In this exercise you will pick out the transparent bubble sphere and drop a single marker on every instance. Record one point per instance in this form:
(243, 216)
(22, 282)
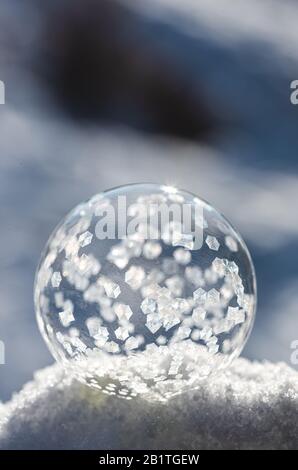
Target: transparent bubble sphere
(145, 289)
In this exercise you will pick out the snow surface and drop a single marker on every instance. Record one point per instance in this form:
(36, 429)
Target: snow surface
(249, 406)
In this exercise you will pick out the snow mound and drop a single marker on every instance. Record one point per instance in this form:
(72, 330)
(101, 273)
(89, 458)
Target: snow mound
(250, 405)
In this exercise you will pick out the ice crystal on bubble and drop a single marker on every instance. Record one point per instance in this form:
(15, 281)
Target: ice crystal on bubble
(235, 315)
(85, 238)
(152, 310)
(148, 306)
(200, 296)
(198, 315)
(66, 317)
(212, 348)
(93, 324)
(134, 277)
(152, 250)
(118, 256)
(182, 256)
(231, 243)
(111, 288)
(213, 297)
(212, 243)
(122, 333)
(183, 239)
(112, 347)
(102, 332)
(59, 299)
(131, 343)
(175, 285)
(194, 275)
(153, 323)
(122, 311)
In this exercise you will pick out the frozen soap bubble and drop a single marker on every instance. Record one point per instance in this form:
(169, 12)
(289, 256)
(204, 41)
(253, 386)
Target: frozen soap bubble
(145, 289)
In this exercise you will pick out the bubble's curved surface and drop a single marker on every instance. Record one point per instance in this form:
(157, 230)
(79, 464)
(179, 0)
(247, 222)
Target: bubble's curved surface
(145, 289)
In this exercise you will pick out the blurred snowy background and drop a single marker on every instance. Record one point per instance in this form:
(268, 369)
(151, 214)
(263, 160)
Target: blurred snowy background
(194, 94)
